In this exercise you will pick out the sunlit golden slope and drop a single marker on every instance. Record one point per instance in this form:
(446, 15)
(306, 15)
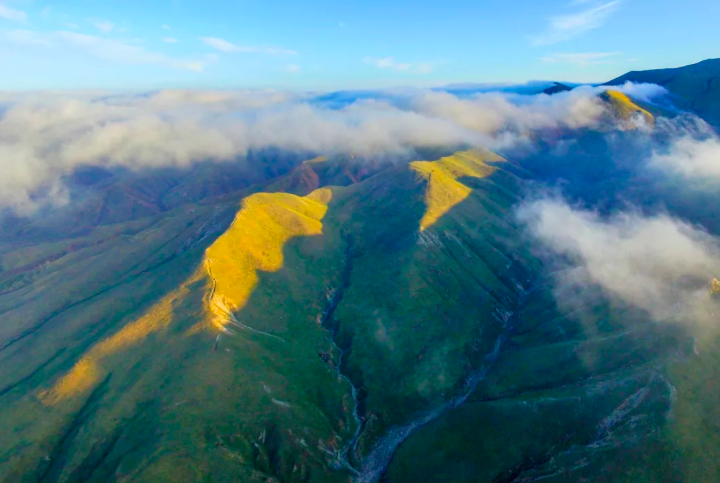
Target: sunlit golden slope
(255, 242)
(444, 190)
(626, 109)
(89, 370)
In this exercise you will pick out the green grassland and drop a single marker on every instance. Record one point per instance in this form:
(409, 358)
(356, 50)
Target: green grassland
(395, 325)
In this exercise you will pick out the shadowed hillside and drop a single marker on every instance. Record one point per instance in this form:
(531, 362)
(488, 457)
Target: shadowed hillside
(694, 87)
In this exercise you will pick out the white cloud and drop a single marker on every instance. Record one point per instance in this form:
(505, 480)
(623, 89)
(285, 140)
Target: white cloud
(566, 27)
(101, 48)
(495, 112)
(659, 264)
(170, 40)
(43, 139)
(229, 47)
(44, 136)
(390, 63)
(581, 59)
(292, 69)
(102, 25)
(11, 14)
(642, 92)
(692, 159)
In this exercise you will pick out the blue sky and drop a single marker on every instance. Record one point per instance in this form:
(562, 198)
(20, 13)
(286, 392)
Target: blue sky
(338, 44)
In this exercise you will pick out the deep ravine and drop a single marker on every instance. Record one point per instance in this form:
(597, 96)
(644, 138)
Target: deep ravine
(375, 464)
(372, 467)
(343, 455)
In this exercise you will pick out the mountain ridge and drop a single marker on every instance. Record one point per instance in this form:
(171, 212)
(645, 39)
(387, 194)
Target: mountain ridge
(694, 87)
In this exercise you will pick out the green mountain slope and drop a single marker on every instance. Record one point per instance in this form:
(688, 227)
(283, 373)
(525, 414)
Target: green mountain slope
(245, 322)
(396, 328)
(694, 87)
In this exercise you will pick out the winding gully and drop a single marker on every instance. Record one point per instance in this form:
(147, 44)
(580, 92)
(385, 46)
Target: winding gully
(372, 467)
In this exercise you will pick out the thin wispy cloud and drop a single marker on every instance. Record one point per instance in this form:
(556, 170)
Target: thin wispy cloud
(389, 63)
(231, 48)
(580, 59)
(27, 38)
(101, 48)
(293, 69)
(52, 14)
(565, 27)
(424, 68)
(166, 27)
(11, 14)
(170, 40)
(102, 25)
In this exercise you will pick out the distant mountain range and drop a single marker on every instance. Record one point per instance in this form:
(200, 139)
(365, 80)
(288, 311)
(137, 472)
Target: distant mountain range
(694, 88)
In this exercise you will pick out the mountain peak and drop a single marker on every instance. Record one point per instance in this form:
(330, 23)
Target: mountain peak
(694, 88)
(445, 190)
(626, 109)
(557, 88)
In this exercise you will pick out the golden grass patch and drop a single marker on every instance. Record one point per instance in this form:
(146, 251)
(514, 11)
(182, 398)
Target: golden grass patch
(444, 191)
(255, 241)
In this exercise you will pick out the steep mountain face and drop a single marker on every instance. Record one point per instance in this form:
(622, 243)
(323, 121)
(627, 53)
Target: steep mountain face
(694, 87)
(349, 321)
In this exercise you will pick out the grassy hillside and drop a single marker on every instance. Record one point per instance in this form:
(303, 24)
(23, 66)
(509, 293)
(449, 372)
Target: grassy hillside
(232, 352)
(626, 109)
(396, 328)
(694, 87)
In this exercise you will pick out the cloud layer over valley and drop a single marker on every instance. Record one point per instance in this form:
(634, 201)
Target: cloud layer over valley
(696, 160)
(45, 136)
(658, 263)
